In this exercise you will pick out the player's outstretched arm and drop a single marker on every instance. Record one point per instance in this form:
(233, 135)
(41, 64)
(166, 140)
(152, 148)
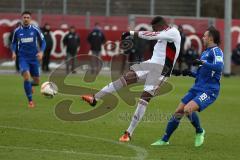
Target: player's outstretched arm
(217, 63)
(218, 66)
(148, 35)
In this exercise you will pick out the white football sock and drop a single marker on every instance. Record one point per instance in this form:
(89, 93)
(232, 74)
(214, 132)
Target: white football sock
(139, 113)
(111, 87)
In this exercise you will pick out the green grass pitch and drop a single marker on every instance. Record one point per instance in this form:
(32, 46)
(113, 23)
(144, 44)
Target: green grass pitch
(37, 134)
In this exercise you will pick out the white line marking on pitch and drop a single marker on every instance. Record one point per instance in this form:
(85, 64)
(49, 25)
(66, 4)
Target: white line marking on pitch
(141, 152)
(65, 151)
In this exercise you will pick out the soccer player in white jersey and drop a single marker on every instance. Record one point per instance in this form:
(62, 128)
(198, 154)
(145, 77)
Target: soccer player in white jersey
(153, 71)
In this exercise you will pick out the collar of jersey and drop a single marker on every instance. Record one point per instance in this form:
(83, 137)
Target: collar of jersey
(210, 47)
(26, 27)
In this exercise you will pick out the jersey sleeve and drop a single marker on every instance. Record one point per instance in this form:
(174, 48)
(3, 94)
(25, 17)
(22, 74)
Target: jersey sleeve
(168, 35)
(217, 63)
(40, 37)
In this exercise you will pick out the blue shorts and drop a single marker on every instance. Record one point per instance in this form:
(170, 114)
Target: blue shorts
(203, 99)
(29, 65)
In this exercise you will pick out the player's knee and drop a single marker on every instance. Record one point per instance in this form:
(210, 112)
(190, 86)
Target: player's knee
(192, 106)
(26, 76)
(179, 110)
(146, 96)
(187, 111)
(130, 77)
(179, 114)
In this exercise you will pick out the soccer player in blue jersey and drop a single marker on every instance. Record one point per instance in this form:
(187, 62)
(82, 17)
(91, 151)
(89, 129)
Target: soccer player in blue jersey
(27, 39)
(204, 91)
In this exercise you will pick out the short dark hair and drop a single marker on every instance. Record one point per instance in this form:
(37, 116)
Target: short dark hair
(26, 12)
(158, 20)
(213, 32)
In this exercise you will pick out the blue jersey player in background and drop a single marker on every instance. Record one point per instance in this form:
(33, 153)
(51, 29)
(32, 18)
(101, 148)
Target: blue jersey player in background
(204, 91)
(27, 38)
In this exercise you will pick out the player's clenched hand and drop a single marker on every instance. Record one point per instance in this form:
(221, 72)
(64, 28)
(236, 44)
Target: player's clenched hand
(14, 56)
(125, 35)
(39, 55)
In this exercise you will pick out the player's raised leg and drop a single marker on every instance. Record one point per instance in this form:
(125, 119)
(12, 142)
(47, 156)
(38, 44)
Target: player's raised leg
(129, 78)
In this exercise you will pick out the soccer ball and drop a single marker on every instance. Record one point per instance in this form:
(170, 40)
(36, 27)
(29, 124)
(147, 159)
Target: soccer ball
(49, 89)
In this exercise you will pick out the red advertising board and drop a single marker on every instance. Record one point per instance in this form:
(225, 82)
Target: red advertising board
(112, 28)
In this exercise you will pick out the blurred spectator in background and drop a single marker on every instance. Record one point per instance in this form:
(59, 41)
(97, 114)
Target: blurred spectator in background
(46, 30)
(135, 51)
(236, 55)
(10, 42)
(181, 53)
(127, 45)
(190, 55)
(96, 39)
(72, 42)
(131, 51)
(140, 46)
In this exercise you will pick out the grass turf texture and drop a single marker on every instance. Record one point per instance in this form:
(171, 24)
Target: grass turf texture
(36, 134)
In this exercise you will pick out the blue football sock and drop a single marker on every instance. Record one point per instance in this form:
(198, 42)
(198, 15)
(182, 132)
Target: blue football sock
(195, 122)
(28, 90)
(171, 126)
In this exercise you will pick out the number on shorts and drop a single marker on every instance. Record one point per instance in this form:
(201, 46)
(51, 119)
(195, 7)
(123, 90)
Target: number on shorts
(203, 97)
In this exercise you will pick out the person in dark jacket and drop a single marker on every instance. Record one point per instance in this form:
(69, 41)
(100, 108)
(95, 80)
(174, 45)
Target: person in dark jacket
(190, 55)
(46, 30)
(140, 45)
(181, 53)
(10, 42)
(72, 42)
(96, 39)
(236, 55)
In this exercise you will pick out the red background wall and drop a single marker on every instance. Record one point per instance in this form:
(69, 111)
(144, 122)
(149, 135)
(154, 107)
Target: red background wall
(120, 24)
